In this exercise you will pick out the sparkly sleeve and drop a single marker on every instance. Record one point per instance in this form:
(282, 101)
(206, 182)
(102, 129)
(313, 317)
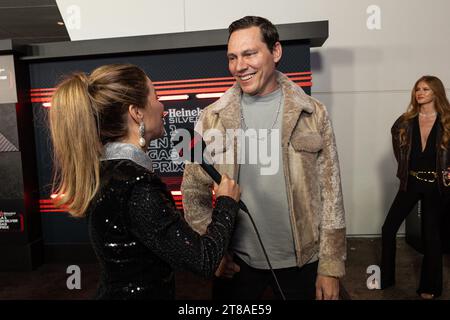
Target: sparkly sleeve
(155, 222)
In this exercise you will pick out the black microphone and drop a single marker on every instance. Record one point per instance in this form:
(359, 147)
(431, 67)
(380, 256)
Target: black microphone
(198, 156)
(216, 176)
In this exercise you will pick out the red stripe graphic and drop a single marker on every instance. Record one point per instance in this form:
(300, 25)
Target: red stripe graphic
(196, 85)
(156, 83)
(42, 89)
(221, 79)
(189, 86)
(159, 88)
(47, 205)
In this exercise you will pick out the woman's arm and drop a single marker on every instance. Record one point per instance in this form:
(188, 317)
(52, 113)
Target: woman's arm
(155, 222)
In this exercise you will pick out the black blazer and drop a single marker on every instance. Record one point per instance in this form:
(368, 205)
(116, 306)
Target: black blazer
(402, 154)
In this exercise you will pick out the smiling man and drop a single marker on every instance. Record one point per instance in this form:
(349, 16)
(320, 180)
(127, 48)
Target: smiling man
(299, 208)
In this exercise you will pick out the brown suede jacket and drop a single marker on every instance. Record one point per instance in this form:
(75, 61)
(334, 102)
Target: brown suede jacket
(311, 168)
(402, 154)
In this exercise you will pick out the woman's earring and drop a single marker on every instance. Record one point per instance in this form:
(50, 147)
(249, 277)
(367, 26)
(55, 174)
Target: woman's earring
(141, 134)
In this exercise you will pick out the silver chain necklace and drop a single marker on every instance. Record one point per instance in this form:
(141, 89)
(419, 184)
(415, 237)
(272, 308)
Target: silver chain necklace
(269, 131)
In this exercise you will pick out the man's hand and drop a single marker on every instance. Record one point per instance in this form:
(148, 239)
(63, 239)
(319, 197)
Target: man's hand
(327, 288)
(227, 267)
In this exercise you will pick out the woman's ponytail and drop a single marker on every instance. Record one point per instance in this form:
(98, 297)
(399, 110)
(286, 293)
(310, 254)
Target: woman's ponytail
(76, 145)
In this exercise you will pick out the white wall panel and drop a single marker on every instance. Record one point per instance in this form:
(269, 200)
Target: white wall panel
(97, 19)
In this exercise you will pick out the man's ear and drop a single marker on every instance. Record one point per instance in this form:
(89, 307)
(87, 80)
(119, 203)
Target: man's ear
(277, 52)
(135, 113)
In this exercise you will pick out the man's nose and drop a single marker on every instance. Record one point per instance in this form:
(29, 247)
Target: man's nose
(241, 65)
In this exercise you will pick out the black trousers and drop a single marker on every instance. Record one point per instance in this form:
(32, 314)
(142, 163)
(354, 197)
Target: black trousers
(250, 283)
(433, 210)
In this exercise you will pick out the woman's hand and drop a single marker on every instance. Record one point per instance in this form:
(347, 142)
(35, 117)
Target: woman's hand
(227, 267)
(227, 187)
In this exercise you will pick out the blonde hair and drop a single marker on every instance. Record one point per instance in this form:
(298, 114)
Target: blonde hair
(87, 112)
(441, 105)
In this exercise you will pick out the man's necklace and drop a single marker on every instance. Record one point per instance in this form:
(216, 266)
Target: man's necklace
(269, 131)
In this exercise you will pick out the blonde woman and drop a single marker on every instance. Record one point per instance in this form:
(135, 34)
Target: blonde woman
(101, 124)
(421, 139)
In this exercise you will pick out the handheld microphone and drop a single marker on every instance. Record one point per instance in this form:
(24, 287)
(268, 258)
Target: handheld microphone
(216, 176)
(195, 153)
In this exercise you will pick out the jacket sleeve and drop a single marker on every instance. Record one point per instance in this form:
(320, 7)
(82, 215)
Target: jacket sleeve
(160, 227)
(333, 249)
(197, 197)
(196, 189)
(396, 140)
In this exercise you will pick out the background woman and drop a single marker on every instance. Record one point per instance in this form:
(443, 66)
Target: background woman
(421, 141)
(101, 124)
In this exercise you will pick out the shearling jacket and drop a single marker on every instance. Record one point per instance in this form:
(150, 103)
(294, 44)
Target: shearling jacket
(311, 169)
(402, 154)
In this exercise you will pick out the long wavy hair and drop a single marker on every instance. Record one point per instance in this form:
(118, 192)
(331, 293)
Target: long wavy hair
(86, 112)
(441, 105)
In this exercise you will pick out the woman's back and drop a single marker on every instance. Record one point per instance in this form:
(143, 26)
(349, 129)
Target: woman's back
(129, 269)
(140, 237)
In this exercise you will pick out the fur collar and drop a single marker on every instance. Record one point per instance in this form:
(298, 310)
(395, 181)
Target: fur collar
(295, 102)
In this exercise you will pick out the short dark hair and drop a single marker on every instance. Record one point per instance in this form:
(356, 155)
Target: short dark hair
(268, 30)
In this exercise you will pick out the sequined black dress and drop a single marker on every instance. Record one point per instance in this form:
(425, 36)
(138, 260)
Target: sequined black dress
(140, 238)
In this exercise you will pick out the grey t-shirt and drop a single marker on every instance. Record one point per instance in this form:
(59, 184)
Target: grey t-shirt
(264, 195)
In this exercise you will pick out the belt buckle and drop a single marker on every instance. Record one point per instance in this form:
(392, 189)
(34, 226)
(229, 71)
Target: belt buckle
(425, 177)
(446, 177)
